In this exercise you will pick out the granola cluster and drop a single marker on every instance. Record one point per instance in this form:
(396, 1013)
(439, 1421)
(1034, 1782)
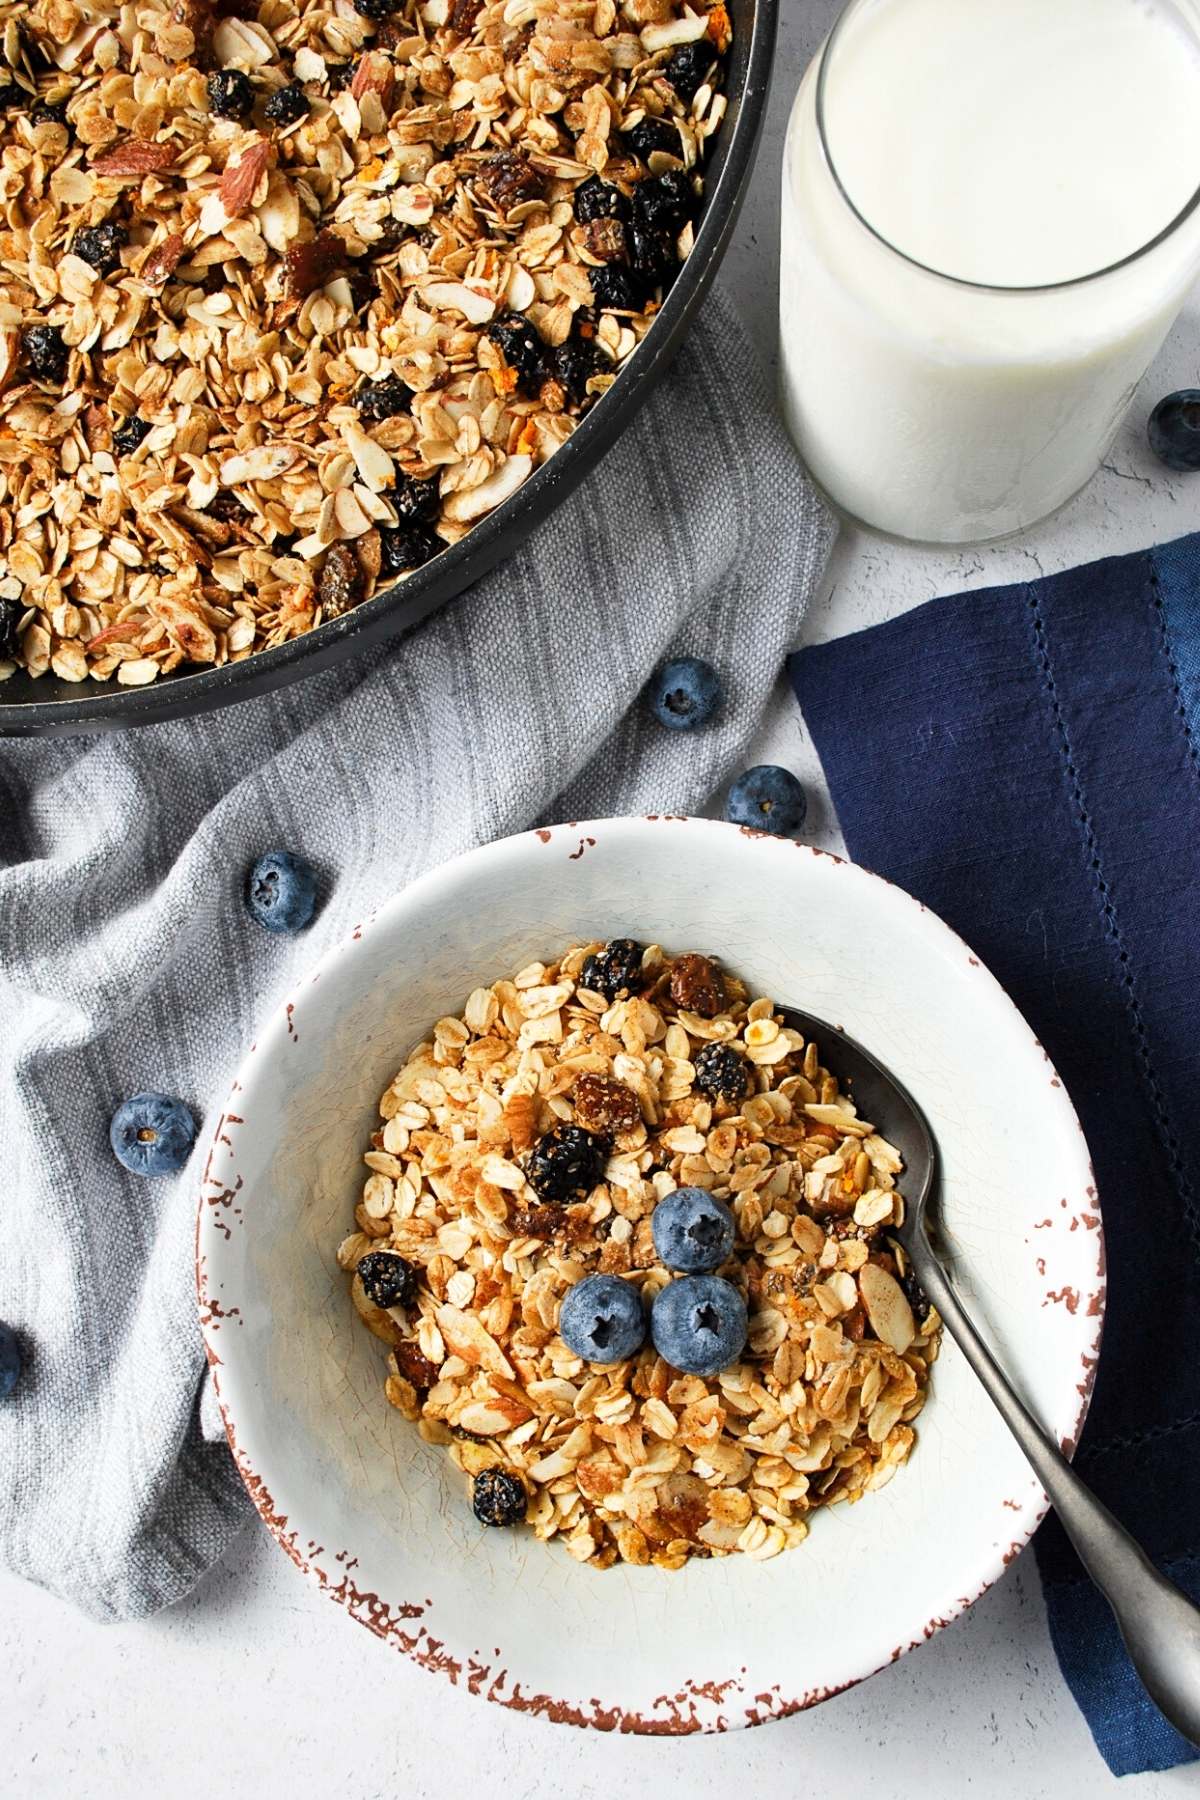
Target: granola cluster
(635, 1460)
(292, 293)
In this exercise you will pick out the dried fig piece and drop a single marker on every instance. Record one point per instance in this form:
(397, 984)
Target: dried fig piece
(605, 1105)
(696, 986)
(341, 584)
(509, 179)
(604, 239)
(414, 1365)
(310, 266)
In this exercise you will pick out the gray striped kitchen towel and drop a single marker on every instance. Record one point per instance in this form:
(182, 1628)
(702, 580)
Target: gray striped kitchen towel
(127, 960)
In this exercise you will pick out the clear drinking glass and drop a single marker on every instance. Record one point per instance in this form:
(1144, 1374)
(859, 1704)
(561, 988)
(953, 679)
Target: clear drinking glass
(945, 409)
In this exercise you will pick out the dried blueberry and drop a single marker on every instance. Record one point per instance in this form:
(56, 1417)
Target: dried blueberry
(651, 255)
(363, 286)
(379, 400)
(596, 199)
(375, 9)
(10, 617)
(615, 288)
(663, 202)
(688, 68)
(617, 969)
(129, 434)
(498, 1498)
(49, 112)
(339, 75)
(391, 235)
(101, 245)
(914, 1293)
(649, 135)
(417, 502)
(566, 1161)
(521, 348)
(388, 1280)
(45, 352)
(230, 95)
(287, 104)
(407, 547)
(720, 1072)
(572, 366)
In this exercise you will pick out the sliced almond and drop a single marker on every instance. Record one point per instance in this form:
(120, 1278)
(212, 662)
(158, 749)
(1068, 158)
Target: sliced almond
(456, 296)
(474, 502)
(492, 1417)
(675, 31)
(465, 1336)
(889, 1312)
(371, 460)
(242, 176)
(266, 463)
(375, 1318)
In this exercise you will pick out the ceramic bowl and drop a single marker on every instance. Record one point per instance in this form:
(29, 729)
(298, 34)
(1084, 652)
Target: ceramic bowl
(382, 1521)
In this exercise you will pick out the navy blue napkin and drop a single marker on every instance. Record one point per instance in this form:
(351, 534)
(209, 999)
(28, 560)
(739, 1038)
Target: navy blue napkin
(1026, 760)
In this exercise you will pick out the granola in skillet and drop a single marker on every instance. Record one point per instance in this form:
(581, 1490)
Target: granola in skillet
(461, 1261)
(292, 293)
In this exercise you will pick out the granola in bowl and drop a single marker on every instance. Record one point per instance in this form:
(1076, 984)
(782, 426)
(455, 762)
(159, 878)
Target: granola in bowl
(291, 295)
(524, 1149)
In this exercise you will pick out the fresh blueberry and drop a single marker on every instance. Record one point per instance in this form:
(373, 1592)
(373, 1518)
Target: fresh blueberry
(685, 692)
(281, 891)
(601, 1319)
(769, 799)
(698, 1324)
(10, 1360)
(1174, 429)
(152, 1134)
(693, 1231)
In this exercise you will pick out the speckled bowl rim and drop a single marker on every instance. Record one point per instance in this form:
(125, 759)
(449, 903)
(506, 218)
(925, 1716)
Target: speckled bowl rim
(699, 1705)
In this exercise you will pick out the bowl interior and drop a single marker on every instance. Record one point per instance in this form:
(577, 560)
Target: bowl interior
(381, 1519)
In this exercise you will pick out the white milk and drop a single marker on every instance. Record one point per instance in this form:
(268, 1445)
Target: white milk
(1002, 144)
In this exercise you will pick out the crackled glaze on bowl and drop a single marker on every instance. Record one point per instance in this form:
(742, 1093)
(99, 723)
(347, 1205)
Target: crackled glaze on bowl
(381, 1521)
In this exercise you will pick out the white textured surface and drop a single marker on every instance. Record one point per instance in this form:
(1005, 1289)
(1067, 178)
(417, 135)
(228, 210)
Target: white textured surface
(258, 1686)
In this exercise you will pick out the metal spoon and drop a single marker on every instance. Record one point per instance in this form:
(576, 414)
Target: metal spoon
(1160, 1625)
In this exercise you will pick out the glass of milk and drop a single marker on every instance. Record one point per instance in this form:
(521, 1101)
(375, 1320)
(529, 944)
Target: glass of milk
(990, 219)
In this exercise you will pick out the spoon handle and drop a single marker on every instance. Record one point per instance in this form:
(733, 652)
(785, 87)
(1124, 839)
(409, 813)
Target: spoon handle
(1160, 1625)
